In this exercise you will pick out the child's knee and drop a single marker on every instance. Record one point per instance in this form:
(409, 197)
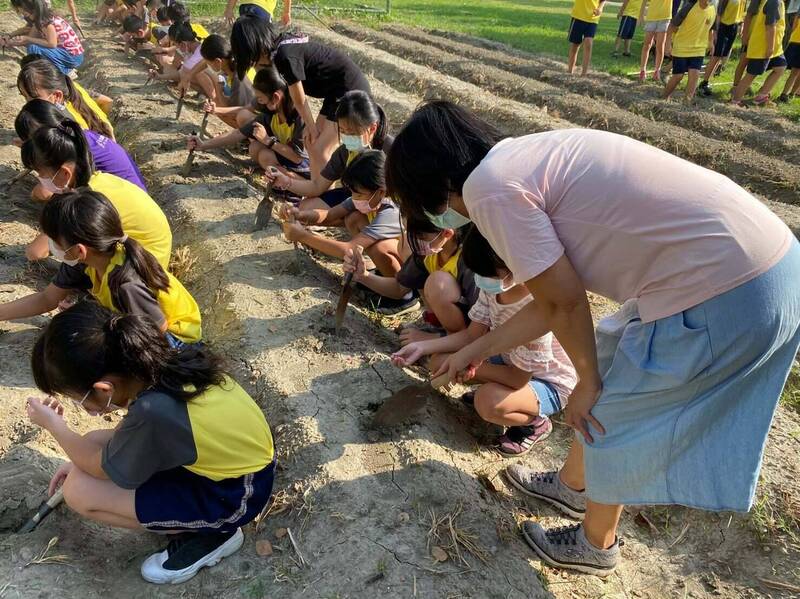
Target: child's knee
(354, 222)
(74, 489)
(487, 401)
(442, 287)
(243, 117)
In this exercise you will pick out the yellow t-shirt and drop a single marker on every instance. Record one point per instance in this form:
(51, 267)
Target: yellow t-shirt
(633, 8)
(795, 38)
(200, 31)
(583, 10)
(268, 5)
(141, 217)
(93, 106)
(658, 10)
(757, 46)
(177, 305)
(734, 12)
(691, 38)
(431, 263)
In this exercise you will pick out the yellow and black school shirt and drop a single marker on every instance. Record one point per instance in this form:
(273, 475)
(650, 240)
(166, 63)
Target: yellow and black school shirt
(220, 434)
(693, 23)
(732, 11)
(795, 38)
(342, 157)
(93, 106)
(267, 5)
(416, 270)
(764, 13)
(289, 133)
(583, 10)
(176, 307)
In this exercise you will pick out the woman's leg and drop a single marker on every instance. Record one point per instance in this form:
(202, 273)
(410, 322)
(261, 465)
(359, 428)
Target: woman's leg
(327, 142)
(600, 523)
(101, 500)
(500, 404)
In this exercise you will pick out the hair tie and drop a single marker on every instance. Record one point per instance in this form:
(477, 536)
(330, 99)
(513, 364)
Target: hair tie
(123, 239)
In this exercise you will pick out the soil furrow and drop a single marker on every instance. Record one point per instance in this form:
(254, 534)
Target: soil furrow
(642, 100)
(771, 177)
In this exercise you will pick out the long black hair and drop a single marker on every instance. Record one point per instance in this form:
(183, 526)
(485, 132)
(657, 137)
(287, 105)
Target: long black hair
(181, 31)
(178, 12)
(41, 14)
(268, 81)
(479, 256)
(252, 38)
(87, 217)
(38, 113)
(87, 342)
(216, 47)
(358, 108)
(366, 171)
(51, 147)
(434, 153)
(39, 74)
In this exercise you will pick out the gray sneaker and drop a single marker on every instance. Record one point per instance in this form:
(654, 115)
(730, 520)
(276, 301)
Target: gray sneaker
(567, 547)
(548, 487)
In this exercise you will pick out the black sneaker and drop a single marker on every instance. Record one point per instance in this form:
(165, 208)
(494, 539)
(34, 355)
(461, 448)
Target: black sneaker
(704, 88)
(388, 306)
(186, 554)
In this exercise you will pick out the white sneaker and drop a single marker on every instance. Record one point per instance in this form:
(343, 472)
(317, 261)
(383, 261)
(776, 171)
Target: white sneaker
(187, 554)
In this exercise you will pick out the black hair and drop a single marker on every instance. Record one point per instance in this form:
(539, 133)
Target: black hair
(87, 342)
(216, 47)
(132, 24)
(268, 81)
(181, 31)
(130, 3)
(153, 3)
(252, 38)
(41, 14)
(434, 153)
(366, 171)
(87, 217)
(416, 227)
(358, 108)
(479, 256)
(178, 12)
(51, 147)
(162, 14)
(38, 113)
(40, 74)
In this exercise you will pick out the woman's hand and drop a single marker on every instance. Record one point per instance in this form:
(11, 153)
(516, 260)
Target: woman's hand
(293, 231)
(228, 16)
(408, 354)
(59, 477)
(462, 365)
(579, 409)
(47, 413)
(310, 134)
(354, 263)
(259, 133)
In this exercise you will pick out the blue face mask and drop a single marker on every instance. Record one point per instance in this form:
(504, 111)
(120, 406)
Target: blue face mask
(491, 286)
(353, 143)
(450, 219)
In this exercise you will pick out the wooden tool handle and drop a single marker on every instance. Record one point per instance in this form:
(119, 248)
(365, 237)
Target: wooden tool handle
(440, 381)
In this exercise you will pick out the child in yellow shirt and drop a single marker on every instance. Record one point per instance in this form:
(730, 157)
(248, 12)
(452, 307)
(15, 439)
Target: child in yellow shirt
(627, 15)
(689, 29)
(764, 26)
(792, 54)
(582, 28)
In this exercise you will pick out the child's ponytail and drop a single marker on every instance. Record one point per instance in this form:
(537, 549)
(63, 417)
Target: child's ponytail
(94, 122)
(35, 114)
(52, 147)
(87, 342)
(87, 217)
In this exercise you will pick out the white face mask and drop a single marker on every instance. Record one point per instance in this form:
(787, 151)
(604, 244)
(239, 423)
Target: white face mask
(59, 254)
(353, 143)
(48, 185)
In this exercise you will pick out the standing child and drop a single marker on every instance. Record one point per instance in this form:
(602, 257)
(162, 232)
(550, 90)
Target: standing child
(689, 29)
(48, 35)
(519, 389)
(583, 25)
(260, 9)
(656, 15)
(627, 15)
(792, 87)
(193, 453)
(97, 256)
(763, 34)
(729, 23)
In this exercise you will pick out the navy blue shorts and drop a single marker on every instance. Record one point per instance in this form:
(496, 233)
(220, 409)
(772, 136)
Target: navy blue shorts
(683, 65)
(759, 66)
(726, 35)
(335, 196)
(303, 168)
(253, 10)
(580, 30)
(627, 27)
(179, 499)
(792, 55)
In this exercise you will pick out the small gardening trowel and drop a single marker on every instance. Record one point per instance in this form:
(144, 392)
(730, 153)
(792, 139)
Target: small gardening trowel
(16, 179)
(344, 298)
(407, 401)
(264, 209)
(187, 166)
(203, 124)
(44, 509)
(180, 105)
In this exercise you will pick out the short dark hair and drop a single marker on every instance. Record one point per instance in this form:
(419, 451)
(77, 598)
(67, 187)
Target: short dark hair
(366, 171)
(479, 256)
(178, 12)
(132, 23)
(214, 47)
(434, 153)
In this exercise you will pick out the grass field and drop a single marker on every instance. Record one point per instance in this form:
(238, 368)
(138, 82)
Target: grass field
(534, 25)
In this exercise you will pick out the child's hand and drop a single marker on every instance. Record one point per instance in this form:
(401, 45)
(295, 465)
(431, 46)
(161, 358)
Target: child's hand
(408, 355)
(293, 231)
(152, 74)
(354, 263)
(578, 413)
(193, 143)
(47, 413)
(460, 366)
(183, 85)
(597, 11)
(228, 16)
(59, 477)
(279, 180)
(210, 107)
(259, 133)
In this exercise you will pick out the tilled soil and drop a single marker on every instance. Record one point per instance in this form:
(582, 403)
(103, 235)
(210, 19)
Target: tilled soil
(359, 501)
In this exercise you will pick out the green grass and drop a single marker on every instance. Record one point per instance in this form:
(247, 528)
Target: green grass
(538, 26)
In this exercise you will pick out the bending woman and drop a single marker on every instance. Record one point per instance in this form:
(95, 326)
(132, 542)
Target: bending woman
(675, 398)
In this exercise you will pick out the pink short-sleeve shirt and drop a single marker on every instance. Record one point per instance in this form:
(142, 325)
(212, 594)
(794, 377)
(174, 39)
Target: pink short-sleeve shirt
(634, 221)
